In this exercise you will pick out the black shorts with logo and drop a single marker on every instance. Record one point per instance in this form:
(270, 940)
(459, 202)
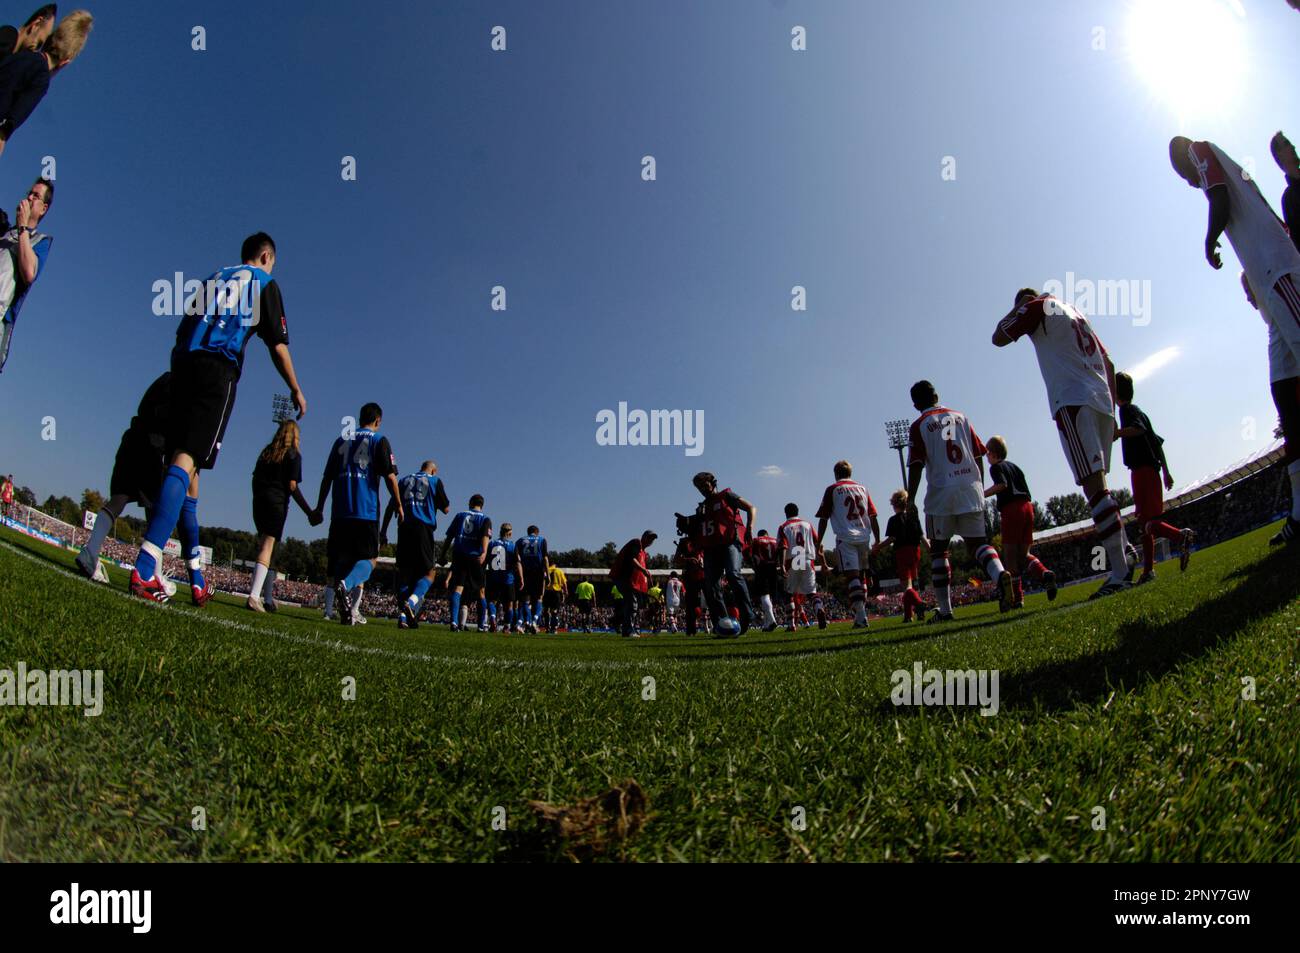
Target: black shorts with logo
(467, 572)
(350, 541)
(137, 470)
(417, 551)
(765, 580)
(534, 582)
(202, 398)
(501, 588)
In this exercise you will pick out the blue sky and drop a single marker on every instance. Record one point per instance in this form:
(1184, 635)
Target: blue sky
(775, 168)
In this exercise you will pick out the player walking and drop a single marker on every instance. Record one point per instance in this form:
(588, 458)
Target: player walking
(503, 575)
(1266, 252)
(423, 497)
(355, 467)
(800, 551)
(469, 535)
(946, 450)
(1080, 381)
(234, 304)
(724, 533)
(536, 560)
(848, 506)
(674, 592)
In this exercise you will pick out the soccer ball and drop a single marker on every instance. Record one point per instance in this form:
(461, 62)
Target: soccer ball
(727, 626)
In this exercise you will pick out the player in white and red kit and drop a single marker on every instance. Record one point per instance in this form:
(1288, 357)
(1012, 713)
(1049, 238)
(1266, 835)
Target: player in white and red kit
(800, 551)
(674, 591)
(1080, 380)
(943, 446)
(1271, 261)
(848, 506)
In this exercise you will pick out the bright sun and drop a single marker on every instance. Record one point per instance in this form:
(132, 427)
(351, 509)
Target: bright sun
(1190, 53)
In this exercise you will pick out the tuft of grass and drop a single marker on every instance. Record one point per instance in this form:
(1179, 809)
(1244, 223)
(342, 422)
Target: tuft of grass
(1132, 705)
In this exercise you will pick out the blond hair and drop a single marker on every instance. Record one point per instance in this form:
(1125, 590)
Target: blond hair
(996, 445)
(65, 43)
(899, 499)
(285, 440)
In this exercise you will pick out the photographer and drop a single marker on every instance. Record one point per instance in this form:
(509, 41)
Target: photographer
(689, 560)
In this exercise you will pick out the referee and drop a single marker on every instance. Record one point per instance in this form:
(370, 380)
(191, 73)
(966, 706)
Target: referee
(276, 478)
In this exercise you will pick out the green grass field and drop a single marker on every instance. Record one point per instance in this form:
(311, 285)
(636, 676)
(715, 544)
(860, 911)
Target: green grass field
(1132, 704)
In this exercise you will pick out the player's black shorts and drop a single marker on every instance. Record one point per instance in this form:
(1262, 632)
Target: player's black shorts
(584, 606)
(137, 470)
(551, 599)
(534, 583)
(765, 580)
(202, 397)
(467, 572)
(269, 514)
(350, 541)
(417, 552)
(500, 588)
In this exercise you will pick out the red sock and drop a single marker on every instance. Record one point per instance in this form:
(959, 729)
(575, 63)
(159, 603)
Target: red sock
(1035, 568)
(1020, 592)
(1148, 550)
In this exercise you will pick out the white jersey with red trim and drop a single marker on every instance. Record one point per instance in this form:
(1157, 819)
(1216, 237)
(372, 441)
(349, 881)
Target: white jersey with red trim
(848, 505)
(1258, 236)
(1071, 357)
(944, 441)
(673, 593)
(798, 538)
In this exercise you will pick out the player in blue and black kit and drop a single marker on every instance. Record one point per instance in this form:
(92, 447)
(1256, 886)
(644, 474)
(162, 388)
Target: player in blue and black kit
(536, 561)
(233, 305)
(423, 497)
(468, 536)
(353, 471)
(503, 575)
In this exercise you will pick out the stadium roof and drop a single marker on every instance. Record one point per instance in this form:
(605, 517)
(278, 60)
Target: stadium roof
(1248, 466)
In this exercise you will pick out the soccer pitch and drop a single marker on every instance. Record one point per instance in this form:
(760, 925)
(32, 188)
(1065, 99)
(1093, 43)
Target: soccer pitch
(1126, 731)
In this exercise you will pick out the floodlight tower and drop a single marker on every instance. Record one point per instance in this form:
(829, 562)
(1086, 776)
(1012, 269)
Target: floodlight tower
(898, 433)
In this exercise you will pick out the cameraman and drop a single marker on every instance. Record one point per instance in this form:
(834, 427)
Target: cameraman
(724, 538)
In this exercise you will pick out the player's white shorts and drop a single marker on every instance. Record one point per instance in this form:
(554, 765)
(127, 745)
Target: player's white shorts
(801, 582)
(853, 557)
(1282, 304)
(1087, 436)
(965, 525)
(671, 600)
(1282, 361)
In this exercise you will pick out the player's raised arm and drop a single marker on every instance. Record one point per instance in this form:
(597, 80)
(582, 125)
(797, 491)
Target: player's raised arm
(1000, 336)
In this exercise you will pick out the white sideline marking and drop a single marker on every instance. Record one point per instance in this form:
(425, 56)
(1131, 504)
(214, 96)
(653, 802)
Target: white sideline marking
(338, 645)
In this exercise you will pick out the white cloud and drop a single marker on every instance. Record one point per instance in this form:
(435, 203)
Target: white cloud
(771, 470)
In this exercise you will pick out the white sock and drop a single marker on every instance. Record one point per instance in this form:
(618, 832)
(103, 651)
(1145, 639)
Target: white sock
(357, 592)
(1293, 471)
(768, 614)
(259, 579)
(943, 596)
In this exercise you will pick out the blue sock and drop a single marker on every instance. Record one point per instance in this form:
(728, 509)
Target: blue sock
(421, 587)
(171, 497)
(455, 608)
(482, 612)
(359, 574)
(510, 616)
(190, 540)
(492, 611)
